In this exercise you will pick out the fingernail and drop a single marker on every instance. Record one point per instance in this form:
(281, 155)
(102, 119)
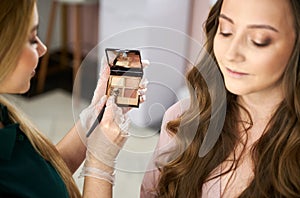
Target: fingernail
(142, 91)
(144, 82)
(143, 97)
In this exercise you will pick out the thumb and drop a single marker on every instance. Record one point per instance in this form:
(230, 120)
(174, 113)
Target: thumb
(100, 104)
(101, 84)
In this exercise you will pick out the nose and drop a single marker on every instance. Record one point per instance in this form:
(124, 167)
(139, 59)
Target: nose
(235, 51)
(42, 49)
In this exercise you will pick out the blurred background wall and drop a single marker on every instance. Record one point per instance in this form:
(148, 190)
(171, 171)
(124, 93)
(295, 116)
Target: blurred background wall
(169, 34)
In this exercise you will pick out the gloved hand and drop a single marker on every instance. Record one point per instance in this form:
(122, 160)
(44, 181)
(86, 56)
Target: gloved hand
(105, 142)
(89, 114)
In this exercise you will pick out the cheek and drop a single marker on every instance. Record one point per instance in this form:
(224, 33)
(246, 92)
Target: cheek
(28, 59)
(218, 50)
(216, 47)
(219, 47)
(273, 63)
(26, 65)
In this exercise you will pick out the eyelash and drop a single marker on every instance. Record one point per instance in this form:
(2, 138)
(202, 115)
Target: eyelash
(225, 34)
(261, 45)
(33, 40)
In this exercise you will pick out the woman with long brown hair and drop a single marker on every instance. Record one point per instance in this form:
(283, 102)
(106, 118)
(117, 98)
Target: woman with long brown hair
(256, 47)
(30, 165)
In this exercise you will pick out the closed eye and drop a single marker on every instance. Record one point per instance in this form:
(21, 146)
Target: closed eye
(225, 34)
(262, 44)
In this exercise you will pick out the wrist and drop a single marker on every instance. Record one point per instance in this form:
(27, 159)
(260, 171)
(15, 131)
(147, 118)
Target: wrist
(91, 161)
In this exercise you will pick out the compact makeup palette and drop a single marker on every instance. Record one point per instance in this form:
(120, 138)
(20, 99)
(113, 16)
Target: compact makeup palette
(126, 72)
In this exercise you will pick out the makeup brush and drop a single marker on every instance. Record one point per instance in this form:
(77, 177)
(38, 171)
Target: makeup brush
(115, 93)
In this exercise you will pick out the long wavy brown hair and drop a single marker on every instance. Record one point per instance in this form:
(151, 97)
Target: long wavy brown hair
(15, 22)
(276, 155)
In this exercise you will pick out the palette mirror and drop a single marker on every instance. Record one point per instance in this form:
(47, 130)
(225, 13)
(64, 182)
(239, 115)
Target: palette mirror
(126, 72)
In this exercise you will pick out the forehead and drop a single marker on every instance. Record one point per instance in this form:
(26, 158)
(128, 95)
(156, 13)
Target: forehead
(35, 16)
(272, 12)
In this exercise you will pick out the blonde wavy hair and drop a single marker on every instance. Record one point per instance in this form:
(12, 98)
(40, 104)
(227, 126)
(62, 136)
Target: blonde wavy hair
(15, 20)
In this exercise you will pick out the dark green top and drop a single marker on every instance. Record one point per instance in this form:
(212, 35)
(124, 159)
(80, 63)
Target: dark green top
(23, 172)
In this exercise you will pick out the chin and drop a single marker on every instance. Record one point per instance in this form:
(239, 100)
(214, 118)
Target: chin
(236, 90)
(24, 90)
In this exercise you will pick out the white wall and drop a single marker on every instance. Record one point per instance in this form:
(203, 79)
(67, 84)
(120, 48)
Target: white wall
(44, 7)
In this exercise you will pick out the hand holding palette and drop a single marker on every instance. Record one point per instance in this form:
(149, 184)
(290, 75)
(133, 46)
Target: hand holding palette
(126, 72)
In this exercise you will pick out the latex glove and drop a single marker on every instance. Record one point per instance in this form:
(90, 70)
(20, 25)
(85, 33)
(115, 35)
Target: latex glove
(144, 83)
(89, 114)
(104, 144)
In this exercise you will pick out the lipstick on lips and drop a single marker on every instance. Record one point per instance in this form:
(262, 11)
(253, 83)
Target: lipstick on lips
(235, 74)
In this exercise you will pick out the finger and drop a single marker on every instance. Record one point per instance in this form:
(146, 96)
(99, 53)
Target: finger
(117, 112)
(119, 117)
(114, 123)
(101, 104)
(142, 91)
(111, 101)
(144, 83)
(101, 84)
(145, 63)
(104, 66)
(126, 109)
(110, 110)
(142, 98)
(124, 127)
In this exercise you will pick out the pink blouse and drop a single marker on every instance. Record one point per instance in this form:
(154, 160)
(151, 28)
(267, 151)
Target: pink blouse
(211, 189)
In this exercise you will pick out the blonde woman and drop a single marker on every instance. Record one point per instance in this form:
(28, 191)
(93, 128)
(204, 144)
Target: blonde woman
(255, 45)
(30, 165)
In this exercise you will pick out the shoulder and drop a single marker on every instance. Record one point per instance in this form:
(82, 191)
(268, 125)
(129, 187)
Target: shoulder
(165, 143)
(172, 113)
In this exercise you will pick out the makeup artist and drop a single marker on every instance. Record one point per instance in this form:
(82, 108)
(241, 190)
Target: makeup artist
(30, 165)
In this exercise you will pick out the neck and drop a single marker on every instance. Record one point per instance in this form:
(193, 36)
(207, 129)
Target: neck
(261, 110)
(261, 107)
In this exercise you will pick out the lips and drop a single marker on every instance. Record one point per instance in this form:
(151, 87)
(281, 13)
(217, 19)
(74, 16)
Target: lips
(33, 73)
(235, 74)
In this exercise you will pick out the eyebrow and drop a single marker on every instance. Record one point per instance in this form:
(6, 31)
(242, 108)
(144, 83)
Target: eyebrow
(226, 18)
(258, 26)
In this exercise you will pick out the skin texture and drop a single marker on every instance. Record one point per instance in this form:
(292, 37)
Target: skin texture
(253, 44)
(256, 46)
(254, 40)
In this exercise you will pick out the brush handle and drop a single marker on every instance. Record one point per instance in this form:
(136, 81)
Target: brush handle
(96, 122)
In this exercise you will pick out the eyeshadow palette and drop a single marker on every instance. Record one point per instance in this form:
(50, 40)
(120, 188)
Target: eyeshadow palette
(126, 73)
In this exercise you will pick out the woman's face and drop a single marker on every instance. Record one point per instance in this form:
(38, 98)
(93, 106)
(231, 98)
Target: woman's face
(19, 80)
(253, 44)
